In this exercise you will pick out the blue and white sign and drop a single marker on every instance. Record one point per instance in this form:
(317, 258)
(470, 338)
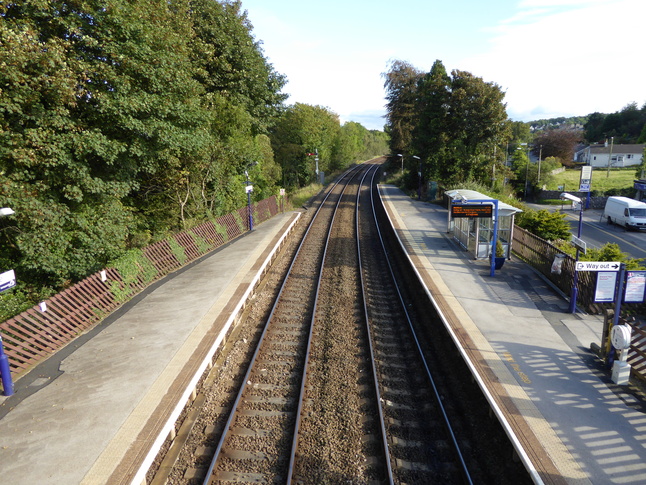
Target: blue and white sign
(597, 266)
(635, 286)
(605, 289)
(7, 280)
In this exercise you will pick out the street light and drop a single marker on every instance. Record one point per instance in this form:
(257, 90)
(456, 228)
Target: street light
(575, 280)
(5, 370)
(419, 176)
(612, 141)
(526, 171)
(540, 155)
(400, 155)
(249, 189)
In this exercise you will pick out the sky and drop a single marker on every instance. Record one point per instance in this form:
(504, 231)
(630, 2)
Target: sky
(551, 57)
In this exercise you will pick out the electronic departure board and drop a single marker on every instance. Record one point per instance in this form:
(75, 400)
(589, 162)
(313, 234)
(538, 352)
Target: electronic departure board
(472, 210)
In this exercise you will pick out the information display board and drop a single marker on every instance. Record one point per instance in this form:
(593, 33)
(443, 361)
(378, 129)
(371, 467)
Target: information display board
(472, 210)
(605, 289)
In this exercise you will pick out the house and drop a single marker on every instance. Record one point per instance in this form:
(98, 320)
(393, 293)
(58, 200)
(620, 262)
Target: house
(622, 155)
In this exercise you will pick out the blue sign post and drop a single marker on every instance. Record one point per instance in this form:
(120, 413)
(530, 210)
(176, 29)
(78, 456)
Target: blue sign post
(5, 371)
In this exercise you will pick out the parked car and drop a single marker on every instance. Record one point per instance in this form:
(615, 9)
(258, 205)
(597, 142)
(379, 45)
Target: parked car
(626, 212)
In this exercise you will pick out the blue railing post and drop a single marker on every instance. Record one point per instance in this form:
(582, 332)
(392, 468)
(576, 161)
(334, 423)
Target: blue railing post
(5, 371)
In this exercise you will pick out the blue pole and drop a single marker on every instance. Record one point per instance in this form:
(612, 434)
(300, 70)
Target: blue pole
(5, 371)
(494, 240)
(620, 294)
(249, 202)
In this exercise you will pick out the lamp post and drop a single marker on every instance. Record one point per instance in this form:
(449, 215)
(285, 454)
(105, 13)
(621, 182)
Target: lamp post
(402, 158)
(419, 176)
(612, 140)
(5, 370)
(540, 155)
(249, 189)
(575, 280)
(526, 171)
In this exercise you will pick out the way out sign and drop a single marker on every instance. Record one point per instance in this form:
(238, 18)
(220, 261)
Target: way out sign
(597, 266)
(606, 278)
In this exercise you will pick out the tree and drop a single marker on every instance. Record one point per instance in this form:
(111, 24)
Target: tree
(401, 87)
(559, 143)
(477, 122)
(231, 63)
(302, 129)
(626, 125)
(430, 136)
(349, 144)
(461, 122)
(593, 129)
(550, 226)
(123, 120)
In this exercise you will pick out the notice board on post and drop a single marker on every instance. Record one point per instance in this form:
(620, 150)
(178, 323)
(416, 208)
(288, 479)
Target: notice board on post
(472, 210)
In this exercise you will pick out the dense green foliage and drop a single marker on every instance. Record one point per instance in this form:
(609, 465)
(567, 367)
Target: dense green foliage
(401, 93)
(547, 225)
(456, 124)
(607, 252)
(626, 126)
(304, 133)
(122, 121)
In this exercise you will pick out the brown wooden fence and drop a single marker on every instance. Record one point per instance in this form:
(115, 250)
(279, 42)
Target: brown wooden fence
(40, 331)
(540, 254)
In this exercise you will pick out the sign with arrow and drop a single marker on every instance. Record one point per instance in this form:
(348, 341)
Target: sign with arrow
(597, 266)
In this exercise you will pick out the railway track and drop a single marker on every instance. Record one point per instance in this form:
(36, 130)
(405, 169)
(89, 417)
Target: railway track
(258, 442)
(337, 386)
(420, 439)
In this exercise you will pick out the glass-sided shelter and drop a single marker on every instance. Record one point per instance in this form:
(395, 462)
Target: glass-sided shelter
(475, 234)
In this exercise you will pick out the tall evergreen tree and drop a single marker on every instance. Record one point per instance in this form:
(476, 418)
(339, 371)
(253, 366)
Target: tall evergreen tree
(430, 136)
(401, 91)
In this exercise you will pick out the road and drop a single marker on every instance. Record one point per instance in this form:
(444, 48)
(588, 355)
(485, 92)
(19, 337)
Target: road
(596, 232)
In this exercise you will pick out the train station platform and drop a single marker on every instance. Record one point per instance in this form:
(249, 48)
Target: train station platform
(98, 410)
(575, 424)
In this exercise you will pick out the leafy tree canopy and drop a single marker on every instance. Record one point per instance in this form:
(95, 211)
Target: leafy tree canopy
(626, 125)
(550, 226)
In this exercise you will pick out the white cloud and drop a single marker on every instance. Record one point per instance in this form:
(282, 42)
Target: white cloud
(570, 61)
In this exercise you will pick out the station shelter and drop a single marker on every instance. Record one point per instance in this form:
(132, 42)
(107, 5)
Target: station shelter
(475, 234)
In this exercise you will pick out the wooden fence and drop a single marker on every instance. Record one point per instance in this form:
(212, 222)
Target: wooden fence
(541, 254)
(40, 331)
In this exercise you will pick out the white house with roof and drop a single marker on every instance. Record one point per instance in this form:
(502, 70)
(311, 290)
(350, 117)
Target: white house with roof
(622, 155)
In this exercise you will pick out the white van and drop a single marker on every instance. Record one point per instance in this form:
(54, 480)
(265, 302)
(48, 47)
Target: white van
(626, 212)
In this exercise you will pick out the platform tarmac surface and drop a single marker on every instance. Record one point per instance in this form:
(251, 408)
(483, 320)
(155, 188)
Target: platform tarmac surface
(89, 413)
(592, 430)
(82, 417)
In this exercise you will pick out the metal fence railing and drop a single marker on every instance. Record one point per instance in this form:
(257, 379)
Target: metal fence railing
(36, 333)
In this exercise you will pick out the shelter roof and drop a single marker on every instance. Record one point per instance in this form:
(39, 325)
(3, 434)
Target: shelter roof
(465, 196)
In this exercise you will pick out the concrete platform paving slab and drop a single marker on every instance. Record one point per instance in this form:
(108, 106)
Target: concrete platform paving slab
(592, 430)
(98, 406)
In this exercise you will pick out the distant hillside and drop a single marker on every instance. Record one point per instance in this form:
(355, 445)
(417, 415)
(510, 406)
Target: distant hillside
(572, 121)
